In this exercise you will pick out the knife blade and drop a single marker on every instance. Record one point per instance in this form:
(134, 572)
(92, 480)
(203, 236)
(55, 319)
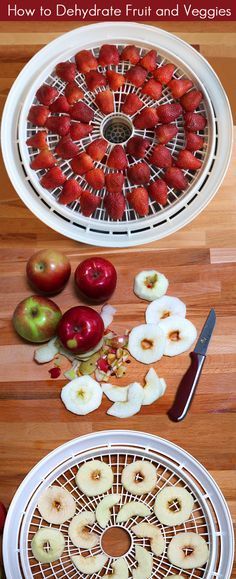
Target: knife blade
(188, 384)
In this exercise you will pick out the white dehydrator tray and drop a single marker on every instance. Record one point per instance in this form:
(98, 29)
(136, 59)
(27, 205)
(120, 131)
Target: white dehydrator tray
(210, 516)
(182, 207)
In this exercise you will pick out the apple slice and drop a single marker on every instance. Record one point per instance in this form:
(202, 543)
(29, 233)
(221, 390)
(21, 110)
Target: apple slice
(82, 395)
(115, 393)
(150, 284)
(46, 353)
(131, 406)
(154, 387)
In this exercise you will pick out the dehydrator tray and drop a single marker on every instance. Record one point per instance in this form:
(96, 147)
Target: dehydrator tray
(210, 516)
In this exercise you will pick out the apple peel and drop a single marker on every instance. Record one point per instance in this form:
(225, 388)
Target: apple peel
(107, 314)
(47, 352)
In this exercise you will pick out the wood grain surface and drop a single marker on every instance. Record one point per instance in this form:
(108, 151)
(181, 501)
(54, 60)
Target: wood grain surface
(200, 262)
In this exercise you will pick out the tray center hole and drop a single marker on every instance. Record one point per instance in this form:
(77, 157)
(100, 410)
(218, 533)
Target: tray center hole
(116, 541)
(117, 128)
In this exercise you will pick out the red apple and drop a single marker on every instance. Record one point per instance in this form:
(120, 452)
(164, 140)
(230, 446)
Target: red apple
(36, 319)
(3, 514)
(80, 330)
(48, 271)
(96, 279)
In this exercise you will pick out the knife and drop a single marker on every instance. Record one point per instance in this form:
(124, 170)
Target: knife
(188, 384)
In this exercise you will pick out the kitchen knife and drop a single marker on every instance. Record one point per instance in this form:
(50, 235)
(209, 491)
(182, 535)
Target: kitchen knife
(188, 384)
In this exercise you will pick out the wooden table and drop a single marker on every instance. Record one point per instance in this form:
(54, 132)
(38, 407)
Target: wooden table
(199, 261)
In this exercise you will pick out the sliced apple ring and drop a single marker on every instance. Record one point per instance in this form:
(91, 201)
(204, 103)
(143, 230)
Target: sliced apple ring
(56, 505)
(82, 395)
(180, 335)
(79, 533)
(150, 284)
(147, 343)
(188, 550)
(47, 545)
(94, 478)
(139, 477)
(173, 505)
(164, 307)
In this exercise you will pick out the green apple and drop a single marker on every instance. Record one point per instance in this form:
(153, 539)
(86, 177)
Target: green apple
(36, 319)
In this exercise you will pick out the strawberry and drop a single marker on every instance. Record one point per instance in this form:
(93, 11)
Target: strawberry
(80, 130)
(58, 125)
(60, 105)
(81, 112)
(164, 73)
(175, 178)
(95, 178)
(147, 119)
(89, 203)
(139, 174)
(115, 79)
(85, 61)
(138, 199)
(194, 122)
(97, 149)
(117, 158)
(137, 147)
(165, 133)
(114, 182)
(44, 160)
(46, 94)
(53, 178)
(161, 157)
(71, 191)
(158, 191)
(73, 93)
(179, 87)
(82, 164)
(114, 203)
(94, 79)
(152, 88)
(38, 141)
(136, 75)
(132, 104)
(108, 54)
(191, 100)
(194, 142)
(66, 71)
(105, 101)
(186, 160)
(66, 148)
(131, 54)
(168, 113)
(149, 61)
(38, 115)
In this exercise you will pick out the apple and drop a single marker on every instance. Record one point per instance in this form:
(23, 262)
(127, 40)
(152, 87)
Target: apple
(3, 514)
(36, 319)
(96, 279)
(48, 271)
(80, 330)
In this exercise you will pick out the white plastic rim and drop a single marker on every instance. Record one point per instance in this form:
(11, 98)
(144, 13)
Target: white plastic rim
(177, 465)
(144, 230)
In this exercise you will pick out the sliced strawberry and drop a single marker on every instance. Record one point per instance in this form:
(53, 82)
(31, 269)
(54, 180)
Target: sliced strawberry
(117, 158)
(80, 130)
(105, 101)
(194, 122)
(191, 100)
(149, 61)
(66, 148)
(38, 115)
(136, 75)
(147, 119)
(165, 133)
(58, 125)
(114, 203)
(186, 160)
(66, 71)
(53, 178)
(38, 141)
(60, 105)
(131, 54)
(137, 147)
(139, 174)
(152, 88)
(97, 149)
(73, 93)
(138, 199)
(71, 191)
(108, 54)
(179, 87)
(46, 94)
(115, 80)
(164, 73)
(89, 203)
(175, 178)
(114, 182)
(169, 112)
(158, 191)
(85, 61)
(82, 164)
(95, 178)
(81, 112)
(44, 160)
(161, 157)
(194, 142)
(94, 79)
(132, 104)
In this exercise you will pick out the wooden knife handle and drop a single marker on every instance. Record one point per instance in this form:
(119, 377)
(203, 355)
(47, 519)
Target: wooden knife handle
(187, 388)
